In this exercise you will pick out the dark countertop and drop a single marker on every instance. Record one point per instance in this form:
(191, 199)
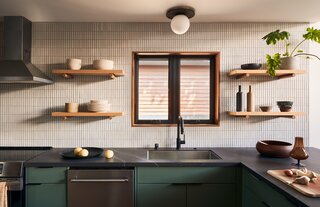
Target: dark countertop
(247, 157)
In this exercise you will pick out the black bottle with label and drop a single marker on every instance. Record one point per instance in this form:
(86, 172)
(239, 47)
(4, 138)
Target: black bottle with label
(239, 100)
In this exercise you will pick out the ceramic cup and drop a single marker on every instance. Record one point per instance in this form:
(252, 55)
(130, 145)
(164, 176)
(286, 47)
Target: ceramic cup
(72, 107)
(74, 64)
(103, 64)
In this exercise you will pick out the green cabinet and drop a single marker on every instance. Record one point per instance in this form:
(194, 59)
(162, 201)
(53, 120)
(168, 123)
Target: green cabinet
(46, 187)
(186, 186)
(160, 195)
(49, 195)
(257, 193)
(250, 199)
(210, 195)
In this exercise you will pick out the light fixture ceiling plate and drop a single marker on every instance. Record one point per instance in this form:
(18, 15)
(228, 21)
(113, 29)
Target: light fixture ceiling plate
(178, 10)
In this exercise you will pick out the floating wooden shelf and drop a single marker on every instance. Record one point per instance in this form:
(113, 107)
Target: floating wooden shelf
(269, 114)
(108, 115)
(112, 74)
(279, 73)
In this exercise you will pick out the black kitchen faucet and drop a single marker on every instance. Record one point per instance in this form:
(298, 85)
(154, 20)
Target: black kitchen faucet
(180, 131)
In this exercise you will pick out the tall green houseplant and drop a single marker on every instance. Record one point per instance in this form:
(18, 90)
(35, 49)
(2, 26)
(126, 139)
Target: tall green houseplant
(274, 61)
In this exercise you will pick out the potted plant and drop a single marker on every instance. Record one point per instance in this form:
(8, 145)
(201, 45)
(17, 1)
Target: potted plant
(289, 58)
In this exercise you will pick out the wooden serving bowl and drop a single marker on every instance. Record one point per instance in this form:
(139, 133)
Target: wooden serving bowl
(273, 148)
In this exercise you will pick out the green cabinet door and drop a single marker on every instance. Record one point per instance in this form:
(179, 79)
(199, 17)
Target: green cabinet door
(258, 193)
(161, 195)
(211, 195)
(48, 195)
(250, 199)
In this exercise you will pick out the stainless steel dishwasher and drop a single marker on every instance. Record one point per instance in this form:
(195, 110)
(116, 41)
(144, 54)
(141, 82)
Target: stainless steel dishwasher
(100, 188)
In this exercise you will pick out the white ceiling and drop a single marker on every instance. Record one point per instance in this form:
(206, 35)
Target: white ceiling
(154, 10)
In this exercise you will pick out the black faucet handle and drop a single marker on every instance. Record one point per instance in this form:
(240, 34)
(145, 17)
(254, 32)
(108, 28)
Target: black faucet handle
(183, 141)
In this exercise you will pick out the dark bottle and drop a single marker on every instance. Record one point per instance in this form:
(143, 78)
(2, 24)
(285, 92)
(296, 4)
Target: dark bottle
(239, 100)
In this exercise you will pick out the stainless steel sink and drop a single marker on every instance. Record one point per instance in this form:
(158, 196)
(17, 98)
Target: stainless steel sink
(176, 155)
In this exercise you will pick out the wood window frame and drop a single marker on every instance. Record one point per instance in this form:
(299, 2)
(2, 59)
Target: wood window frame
(214, 90)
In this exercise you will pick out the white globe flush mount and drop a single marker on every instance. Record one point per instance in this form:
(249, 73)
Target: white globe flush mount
(180, 16)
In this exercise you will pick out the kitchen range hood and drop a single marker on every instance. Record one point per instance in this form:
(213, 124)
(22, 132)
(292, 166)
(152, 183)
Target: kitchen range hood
(16, 66)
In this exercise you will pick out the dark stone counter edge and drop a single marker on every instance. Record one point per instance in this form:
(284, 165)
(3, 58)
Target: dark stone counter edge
(133, 164)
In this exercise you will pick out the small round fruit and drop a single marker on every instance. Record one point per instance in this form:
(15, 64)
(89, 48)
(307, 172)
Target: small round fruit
(109, 154)
(77, 150)
(84, 153)
(288, 173)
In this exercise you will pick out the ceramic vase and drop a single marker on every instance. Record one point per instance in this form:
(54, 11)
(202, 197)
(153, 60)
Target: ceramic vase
(299, 152)
(290, 63)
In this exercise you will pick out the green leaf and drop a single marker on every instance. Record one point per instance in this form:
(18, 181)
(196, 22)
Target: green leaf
(273, 64)
(312, 34)
(275, 36)
(300, 51)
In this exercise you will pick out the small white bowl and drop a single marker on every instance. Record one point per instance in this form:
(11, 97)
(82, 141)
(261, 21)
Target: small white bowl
(103, 64)
(74, 64)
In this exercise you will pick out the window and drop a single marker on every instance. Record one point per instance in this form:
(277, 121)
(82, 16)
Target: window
(166, 85)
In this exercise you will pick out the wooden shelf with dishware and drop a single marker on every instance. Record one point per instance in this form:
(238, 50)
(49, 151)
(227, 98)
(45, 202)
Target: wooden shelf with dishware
(66, 115)
(266, 114)
(240, 73)
(67, 73)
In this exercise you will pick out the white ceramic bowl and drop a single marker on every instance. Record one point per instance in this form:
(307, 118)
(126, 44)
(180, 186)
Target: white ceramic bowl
(103, 64)
(74, 64)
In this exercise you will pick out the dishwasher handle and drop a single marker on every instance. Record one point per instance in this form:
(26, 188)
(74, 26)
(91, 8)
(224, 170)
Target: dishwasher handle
(99, 180)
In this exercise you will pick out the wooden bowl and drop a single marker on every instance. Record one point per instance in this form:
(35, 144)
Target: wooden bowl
(265, 108)
(272, 148)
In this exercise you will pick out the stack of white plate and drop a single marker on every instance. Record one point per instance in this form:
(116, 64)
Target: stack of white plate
(99, 106)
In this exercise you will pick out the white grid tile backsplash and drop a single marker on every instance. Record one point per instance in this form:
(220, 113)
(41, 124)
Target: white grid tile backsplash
(25, 108)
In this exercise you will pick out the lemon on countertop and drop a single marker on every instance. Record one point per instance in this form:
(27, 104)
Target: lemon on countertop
(109, 154)
(83, 153)
(77, 150)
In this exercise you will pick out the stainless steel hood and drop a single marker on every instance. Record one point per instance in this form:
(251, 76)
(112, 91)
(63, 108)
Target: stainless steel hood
(16, 66)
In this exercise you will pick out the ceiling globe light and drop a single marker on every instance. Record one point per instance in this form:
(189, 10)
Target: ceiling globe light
(180, 24)
(180, 16)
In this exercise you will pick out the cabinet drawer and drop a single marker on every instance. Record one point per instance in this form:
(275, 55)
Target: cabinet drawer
(266, 193)
(186, 175)
(46, 175)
